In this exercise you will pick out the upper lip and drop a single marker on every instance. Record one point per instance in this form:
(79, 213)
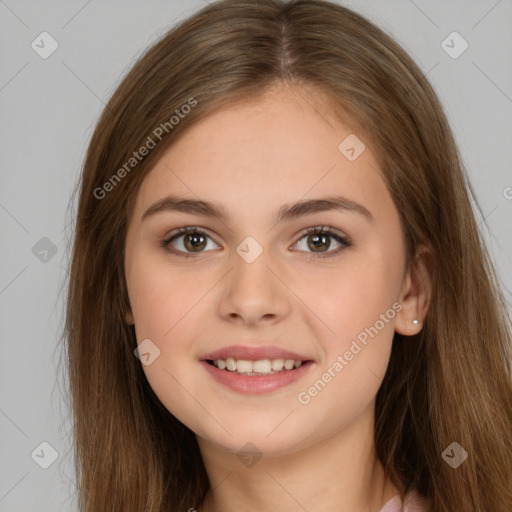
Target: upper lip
(253, 353)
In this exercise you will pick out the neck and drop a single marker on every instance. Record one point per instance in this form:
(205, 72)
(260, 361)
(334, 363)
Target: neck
(340, 473)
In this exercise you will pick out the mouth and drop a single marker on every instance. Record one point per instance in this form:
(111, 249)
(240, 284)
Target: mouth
(256, 368)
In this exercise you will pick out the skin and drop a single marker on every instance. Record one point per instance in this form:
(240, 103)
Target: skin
(253, 158)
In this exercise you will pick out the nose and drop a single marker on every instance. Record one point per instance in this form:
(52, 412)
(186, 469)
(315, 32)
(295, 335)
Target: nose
(254, 292)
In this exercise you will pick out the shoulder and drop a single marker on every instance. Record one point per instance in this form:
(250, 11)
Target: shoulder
(414, 502)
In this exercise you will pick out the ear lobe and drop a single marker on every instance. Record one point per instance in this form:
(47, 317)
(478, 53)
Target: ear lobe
(416, 294)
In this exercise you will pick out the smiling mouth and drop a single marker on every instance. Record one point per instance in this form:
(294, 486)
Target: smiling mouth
(256, 368)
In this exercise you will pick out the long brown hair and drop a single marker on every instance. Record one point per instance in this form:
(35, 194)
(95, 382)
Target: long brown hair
(450, 383)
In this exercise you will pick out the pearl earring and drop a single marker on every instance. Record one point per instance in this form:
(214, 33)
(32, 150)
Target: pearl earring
(415, 322)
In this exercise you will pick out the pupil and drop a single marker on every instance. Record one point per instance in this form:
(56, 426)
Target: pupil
(194, 241)
(318, 241)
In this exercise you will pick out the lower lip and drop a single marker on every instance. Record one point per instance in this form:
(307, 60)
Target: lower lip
(254, 384)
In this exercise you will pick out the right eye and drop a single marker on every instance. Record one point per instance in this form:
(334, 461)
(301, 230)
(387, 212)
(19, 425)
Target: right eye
(186, 241)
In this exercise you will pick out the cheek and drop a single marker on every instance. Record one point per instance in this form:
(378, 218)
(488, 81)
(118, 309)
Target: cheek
(356, 296)
(356, 310)
(167, 312)
(357, 314)
(160, 297)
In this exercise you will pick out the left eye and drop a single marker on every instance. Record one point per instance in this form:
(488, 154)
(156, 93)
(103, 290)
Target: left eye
(319, 238)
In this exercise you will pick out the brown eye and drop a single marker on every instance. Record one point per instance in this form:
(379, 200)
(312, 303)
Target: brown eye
(186, 241)
(194, 242)
(319, 240)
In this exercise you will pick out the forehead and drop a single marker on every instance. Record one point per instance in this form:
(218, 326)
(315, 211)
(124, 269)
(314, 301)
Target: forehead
(280, 147)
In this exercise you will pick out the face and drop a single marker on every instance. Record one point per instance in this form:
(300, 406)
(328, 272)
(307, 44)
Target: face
(315, 287)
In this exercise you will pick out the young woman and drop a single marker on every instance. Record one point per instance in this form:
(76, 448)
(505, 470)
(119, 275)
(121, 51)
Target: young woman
(279, 297)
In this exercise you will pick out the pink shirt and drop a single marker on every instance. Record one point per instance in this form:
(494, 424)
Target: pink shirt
(413, 503)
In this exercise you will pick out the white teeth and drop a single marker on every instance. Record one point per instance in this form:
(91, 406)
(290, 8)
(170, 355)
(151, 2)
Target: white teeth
(243, 366)
(261, 366)
(277, 365)
(288, 364)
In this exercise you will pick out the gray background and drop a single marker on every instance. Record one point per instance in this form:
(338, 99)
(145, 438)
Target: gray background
(49, 108)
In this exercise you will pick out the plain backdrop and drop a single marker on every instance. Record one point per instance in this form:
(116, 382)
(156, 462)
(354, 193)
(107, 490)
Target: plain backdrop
(49, 107)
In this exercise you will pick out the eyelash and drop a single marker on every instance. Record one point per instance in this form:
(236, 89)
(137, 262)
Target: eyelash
(319, 230)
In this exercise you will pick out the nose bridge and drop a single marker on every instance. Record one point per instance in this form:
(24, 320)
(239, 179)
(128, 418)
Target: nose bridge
(251, 262)
(252, 290)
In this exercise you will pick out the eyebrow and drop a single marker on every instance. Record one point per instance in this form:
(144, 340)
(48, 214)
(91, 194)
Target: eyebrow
(285, 213)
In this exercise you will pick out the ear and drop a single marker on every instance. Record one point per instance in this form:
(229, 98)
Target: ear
(415, 294)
